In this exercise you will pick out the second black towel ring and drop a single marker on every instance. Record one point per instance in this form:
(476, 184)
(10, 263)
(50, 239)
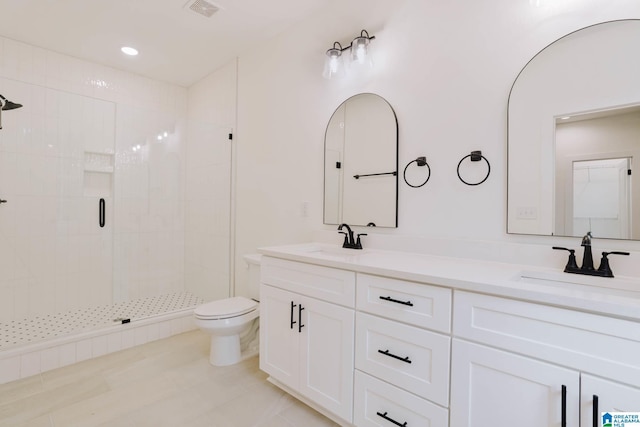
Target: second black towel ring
(420, 161)
(475, 156)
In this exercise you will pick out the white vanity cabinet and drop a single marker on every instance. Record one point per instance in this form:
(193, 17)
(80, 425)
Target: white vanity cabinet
(527, 364)
(350, 336)
(306, 343)
(402, 367)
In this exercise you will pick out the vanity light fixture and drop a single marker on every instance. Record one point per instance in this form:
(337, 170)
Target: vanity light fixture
(360, 54)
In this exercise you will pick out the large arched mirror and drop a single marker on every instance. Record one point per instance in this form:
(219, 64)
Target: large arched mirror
(574, 136)
(361, 163)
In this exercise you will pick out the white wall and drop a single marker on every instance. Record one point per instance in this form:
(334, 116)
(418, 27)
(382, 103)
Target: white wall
(446, 68)
(53, 255)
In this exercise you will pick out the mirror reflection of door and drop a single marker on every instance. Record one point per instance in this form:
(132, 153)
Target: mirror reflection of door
(594, 190)
(602, 197)
(333, 176)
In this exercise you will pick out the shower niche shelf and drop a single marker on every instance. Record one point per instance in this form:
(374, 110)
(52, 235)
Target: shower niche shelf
(98, 174)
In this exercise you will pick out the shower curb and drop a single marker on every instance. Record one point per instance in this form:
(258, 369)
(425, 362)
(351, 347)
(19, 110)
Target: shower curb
(33, 359)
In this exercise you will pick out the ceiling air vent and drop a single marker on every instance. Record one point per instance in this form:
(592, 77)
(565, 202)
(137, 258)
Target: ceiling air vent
(202, 7)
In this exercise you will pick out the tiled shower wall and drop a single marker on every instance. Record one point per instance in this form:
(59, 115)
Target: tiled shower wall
(86, 132)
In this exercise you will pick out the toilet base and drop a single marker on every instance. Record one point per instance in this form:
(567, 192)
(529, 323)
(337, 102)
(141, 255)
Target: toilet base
(224, 350)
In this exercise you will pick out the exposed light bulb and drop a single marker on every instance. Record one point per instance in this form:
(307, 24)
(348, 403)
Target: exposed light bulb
(360, 54)
(127, 50)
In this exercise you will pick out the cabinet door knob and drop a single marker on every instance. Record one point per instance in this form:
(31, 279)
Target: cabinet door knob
(596, 415)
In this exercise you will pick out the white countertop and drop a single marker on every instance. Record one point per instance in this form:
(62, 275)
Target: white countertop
(618, 297)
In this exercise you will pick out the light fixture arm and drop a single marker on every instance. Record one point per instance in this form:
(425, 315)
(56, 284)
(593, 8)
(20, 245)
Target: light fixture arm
(339, 47)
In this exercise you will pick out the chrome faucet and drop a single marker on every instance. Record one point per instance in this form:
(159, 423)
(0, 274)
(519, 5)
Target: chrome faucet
(349, 241)
(587, 260)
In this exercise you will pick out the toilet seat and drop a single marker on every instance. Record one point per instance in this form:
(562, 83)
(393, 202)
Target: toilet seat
(225, 308)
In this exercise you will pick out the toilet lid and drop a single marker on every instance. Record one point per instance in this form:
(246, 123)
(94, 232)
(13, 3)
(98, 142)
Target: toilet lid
(229, 307)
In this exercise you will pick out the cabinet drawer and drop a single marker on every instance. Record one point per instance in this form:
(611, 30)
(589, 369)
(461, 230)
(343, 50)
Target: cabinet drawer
(411, 358)
(328, 284)
(377, 403)
(592, 343)
(409, 302)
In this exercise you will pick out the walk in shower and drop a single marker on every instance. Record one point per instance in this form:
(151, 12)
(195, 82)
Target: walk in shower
(92, 234)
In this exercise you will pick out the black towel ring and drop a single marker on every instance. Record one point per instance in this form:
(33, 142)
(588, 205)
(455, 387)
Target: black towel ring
(420, 161)
(475, 156)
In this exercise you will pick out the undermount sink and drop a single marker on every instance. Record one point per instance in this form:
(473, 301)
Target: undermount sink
(336, 251)
(563, 279)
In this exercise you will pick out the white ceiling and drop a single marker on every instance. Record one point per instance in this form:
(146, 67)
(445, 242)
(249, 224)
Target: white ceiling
(176, 44)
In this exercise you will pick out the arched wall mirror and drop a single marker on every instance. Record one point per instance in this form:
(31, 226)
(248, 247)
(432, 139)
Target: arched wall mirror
(574, 136)
(361, 163)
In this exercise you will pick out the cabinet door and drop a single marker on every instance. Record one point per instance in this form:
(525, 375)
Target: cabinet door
(491, 387)
(279, 336)
(326, 356)
(609, 396)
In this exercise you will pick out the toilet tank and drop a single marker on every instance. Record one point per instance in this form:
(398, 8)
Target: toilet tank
(253, 261)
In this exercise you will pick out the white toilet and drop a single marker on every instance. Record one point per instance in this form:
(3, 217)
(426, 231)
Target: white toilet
(233, 322)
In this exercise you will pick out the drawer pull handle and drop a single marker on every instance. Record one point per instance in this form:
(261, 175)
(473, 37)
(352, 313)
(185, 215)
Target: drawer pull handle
(293, 322)
(596, 415)
(403, 359)
(409, 303)
(404, 424)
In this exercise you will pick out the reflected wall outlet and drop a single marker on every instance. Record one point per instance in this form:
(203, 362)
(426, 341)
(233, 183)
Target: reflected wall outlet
(304, 209)
(527, 212)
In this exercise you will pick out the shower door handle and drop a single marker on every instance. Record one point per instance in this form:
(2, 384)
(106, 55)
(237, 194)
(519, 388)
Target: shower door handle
(101, 212)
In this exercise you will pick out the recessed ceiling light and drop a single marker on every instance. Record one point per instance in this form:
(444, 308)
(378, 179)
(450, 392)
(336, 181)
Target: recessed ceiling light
(129, 50)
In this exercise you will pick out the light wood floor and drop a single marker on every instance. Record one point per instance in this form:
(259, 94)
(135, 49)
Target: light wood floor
(166, 383)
